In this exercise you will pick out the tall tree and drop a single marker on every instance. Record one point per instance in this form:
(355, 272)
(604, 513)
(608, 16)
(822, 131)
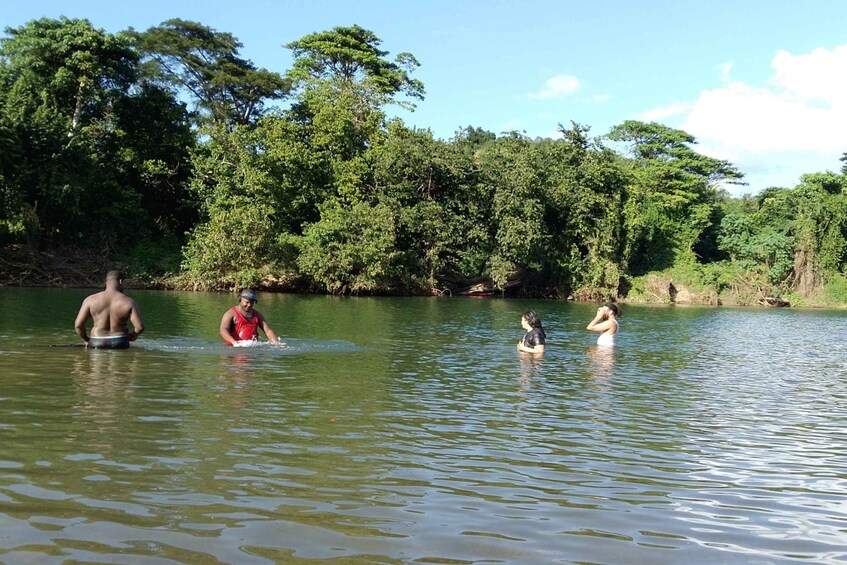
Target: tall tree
(433, 189)
(349, 56)
(584, 214)
(204, 63)
(673, 195)
(62, 79)
(517, 178)
(69, 64)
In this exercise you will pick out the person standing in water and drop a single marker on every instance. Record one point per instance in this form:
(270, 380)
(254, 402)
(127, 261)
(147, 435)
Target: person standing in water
(606, 322)
(242, 322)
(533, 341)
(110, 311)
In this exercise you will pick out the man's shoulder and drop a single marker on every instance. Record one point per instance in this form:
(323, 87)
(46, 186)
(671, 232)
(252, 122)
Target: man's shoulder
(120, 297)
(95, 298)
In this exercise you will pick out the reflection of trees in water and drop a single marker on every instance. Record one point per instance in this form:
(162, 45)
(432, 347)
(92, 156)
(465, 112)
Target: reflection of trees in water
(601, 360)
(104, 381)
(530, 371)
(234, 385)
(530, 365)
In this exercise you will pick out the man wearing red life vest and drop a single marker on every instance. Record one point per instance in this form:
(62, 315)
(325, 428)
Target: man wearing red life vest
(241, 323)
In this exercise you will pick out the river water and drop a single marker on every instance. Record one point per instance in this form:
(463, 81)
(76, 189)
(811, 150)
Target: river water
(409, 430)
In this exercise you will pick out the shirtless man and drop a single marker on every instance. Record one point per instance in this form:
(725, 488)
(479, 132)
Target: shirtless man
(110, 309)
(240, 324)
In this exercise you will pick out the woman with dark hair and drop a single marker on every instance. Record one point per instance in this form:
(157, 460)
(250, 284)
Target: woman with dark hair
(533, 341)
(606, 322)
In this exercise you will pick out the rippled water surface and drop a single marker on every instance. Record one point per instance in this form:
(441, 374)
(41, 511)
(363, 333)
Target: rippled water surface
(395, 430)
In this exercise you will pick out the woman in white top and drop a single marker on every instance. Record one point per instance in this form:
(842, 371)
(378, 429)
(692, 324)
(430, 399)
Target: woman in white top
(606, 322)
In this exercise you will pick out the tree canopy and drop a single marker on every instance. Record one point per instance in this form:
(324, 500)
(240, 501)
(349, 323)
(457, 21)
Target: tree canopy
(351, 55)
(158, 148)
(205, 64)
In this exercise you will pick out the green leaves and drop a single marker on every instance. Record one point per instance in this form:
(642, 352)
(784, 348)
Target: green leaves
(64, 93)
(98, 144)
(674, 195)
(350, 56)
(204, 64)
(351, 249)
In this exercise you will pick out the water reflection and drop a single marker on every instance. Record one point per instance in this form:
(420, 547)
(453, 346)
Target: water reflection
(601, 361)
(398, 431)
(104, 382)
(531, 366)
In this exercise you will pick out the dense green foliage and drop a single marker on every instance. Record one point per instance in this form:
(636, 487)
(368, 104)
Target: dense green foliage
(204, 64)
(95, 155)
(158, 147)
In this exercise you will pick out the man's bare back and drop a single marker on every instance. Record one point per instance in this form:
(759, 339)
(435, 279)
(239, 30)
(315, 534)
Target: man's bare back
(111, 311)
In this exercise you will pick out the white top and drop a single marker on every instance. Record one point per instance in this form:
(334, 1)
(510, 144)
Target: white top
(609, 339)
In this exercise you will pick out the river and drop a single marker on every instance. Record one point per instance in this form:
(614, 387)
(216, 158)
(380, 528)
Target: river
(409, 430)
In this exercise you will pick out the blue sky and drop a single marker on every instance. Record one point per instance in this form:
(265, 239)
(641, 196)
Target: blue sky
(760, 83)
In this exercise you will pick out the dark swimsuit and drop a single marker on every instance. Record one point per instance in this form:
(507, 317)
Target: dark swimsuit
(534, 337)
(109, 342)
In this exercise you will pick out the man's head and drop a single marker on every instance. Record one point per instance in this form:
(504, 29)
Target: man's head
(248, 298)
(113, 279)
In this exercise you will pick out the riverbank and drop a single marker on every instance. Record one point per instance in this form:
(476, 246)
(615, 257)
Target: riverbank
(61, 267)
(72, 267)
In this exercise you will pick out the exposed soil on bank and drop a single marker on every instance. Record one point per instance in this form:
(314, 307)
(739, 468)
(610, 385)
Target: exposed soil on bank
(62, 267)
(72, 267)
(66, 267)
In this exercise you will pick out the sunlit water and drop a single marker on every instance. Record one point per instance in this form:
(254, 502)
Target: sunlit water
(410, 431)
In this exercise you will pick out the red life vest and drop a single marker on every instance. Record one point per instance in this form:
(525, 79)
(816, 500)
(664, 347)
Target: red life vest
(244, 328)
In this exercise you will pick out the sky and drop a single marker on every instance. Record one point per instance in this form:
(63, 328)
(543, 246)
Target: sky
(760, 83)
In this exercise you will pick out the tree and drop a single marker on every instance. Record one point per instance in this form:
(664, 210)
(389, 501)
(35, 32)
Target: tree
(517, 180)
(819, 230)
(474, 136)
(234, 243)
(350, 55)
(69, 64)
(152, 153)
(673, 194)
(755, 246)
(433, 189)
(62, 79)
(584, 215)
(351, 249)
(205, 63)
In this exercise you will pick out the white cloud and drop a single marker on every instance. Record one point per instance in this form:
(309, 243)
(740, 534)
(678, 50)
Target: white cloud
(790, 125)
(815, 76)
(762, 120)
(556, 87)
(601, 98)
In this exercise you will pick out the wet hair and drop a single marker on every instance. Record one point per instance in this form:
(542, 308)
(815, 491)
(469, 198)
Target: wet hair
(114, 275)
(614, 308)
(532, 319)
